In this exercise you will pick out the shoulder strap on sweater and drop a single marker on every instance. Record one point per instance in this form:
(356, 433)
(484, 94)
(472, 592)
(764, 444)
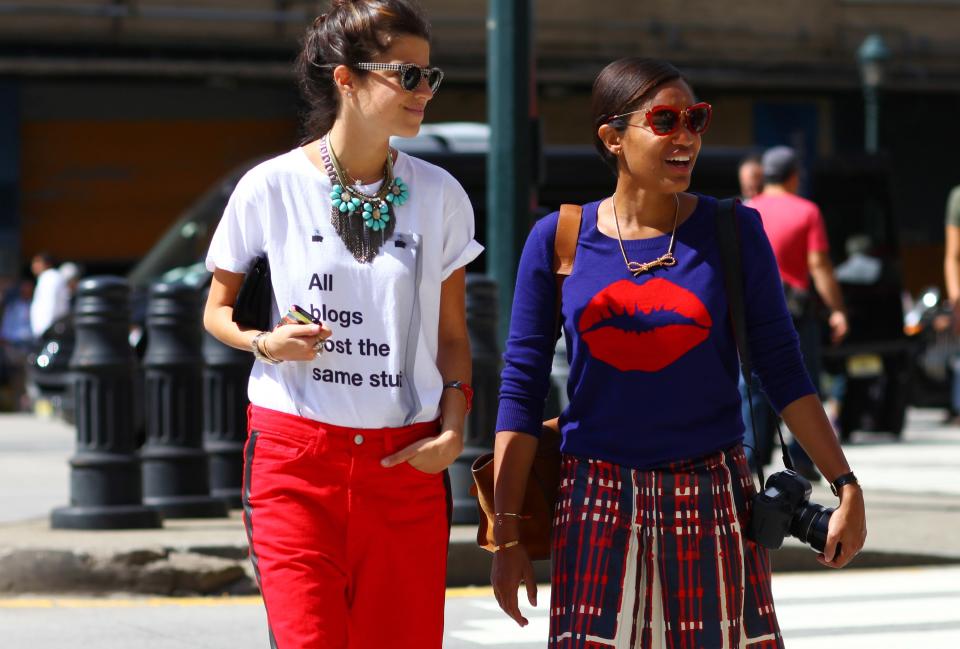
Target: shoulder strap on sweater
(565, 249)
(565, 244)
(728, 235)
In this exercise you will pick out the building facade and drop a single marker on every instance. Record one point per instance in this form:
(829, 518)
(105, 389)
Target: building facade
(115, 114)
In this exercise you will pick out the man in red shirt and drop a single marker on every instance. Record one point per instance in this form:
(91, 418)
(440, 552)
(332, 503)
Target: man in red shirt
(795, 228)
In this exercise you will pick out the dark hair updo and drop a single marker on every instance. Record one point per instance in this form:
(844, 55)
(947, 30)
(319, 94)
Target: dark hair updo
(353, 31)
(620, 88)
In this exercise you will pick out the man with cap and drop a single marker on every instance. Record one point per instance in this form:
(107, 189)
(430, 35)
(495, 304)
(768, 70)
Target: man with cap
(797, 234)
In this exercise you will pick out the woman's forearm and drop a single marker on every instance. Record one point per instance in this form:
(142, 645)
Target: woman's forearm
(453, 348)
(218, 321)
(218, 312)
(809, 424)
(455, 364)
(513, 454)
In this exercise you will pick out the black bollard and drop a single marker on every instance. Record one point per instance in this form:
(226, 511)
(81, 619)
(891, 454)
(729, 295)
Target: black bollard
(225, 375)
(479, 433)
(105, 477)
(175, 472)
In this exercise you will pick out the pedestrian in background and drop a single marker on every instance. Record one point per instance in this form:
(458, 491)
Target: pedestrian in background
(648, 544)
(750, 175)
(16, 339)
(795, 228)
(70, 272)
(353, 421)
(51, 297)
(951, 272)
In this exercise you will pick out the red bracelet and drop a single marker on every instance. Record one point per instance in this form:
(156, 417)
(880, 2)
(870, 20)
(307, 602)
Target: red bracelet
(464, 388)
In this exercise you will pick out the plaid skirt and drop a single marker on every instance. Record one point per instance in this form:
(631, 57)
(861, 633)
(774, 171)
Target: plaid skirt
(658, 559)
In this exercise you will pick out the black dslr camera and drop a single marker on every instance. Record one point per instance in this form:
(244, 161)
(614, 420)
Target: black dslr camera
(784, 506)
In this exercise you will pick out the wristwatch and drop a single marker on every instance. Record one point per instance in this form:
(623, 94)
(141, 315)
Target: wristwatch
(259, 352)
(463, 387)
(845, 479)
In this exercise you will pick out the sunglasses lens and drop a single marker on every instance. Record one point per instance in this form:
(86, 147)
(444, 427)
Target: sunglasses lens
(663, 121)
(698, 118)
(410, 78)
(434, 78)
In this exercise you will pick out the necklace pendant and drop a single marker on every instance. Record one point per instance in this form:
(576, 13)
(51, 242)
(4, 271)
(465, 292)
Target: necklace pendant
(636, 268)
(363, 221)
(663, 261)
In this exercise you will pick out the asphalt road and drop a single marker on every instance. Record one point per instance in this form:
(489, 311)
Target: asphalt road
(34, 474)
(875, 609)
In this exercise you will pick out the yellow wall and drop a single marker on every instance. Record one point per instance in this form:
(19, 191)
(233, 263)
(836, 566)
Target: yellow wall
(106, 190)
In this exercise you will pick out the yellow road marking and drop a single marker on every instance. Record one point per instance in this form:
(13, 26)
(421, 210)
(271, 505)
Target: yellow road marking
(125, 602)
(148, 602)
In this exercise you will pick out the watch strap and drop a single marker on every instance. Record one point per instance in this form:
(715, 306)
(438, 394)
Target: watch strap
(465, 389)
(841, 481)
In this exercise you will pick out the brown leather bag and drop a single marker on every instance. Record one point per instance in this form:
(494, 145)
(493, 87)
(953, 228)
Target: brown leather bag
(544, 479)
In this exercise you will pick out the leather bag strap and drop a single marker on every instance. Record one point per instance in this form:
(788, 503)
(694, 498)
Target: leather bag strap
(565, 250)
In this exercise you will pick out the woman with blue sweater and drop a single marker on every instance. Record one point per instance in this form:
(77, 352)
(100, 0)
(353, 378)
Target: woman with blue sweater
(648, 543)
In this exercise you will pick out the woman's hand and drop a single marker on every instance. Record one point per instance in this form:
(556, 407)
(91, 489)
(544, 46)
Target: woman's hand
(295, 342)
(430, 454)
(847, 529)
(511, 567)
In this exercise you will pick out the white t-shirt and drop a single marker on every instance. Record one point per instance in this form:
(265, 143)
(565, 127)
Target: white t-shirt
(379, 369)
(51, 301)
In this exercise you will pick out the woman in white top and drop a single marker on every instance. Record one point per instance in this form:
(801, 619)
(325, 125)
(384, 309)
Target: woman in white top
(353, 421)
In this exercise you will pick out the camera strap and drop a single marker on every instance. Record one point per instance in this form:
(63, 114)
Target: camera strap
(728, 236)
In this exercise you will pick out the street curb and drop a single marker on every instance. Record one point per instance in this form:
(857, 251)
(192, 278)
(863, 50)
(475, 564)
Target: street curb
(157, 571)
(217, 570)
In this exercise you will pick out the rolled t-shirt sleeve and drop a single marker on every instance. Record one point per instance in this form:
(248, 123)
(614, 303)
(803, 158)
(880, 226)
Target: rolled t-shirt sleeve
(459, 245)
(774, 344)
(239, 237)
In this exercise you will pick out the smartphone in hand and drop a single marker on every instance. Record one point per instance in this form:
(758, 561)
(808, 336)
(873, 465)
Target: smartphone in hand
(298, 315)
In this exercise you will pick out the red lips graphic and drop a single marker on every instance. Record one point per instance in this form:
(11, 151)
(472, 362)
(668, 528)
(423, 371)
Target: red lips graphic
(655, 348)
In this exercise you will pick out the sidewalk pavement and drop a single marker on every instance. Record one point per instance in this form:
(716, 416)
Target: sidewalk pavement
(911, 487)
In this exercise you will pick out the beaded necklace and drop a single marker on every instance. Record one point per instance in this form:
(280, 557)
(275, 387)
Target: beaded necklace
(359, 217)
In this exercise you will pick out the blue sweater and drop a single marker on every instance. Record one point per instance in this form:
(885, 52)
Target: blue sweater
(653, 361)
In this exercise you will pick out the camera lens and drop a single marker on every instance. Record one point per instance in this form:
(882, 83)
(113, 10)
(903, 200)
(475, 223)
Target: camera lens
(810, 523)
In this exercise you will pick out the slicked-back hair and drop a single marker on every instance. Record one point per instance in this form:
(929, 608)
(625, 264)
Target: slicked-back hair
(622, 87)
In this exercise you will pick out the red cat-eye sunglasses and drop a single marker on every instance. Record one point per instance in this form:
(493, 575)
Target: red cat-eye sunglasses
(666, 120)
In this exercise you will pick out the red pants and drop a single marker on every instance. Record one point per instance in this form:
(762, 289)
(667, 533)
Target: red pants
(348, 554)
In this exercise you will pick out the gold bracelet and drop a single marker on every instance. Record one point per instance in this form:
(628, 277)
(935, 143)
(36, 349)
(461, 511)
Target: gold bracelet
(263, 348)
(504, 546)
(522, 517)
(259, 352)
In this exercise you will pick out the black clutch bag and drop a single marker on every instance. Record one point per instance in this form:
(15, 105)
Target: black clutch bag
(252, 308)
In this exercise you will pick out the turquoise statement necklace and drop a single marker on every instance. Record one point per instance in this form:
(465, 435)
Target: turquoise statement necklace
(363, 221)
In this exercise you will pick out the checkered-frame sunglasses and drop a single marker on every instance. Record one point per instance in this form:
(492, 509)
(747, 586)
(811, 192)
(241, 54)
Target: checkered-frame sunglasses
(411, 74)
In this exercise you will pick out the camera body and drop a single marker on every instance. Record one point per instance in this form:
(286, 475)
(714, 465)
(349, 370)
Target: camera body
(784, 507)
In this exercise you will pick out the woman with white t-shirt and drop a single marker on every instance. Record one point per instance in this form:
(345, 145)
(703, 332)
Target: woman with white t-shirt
(353, 421)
